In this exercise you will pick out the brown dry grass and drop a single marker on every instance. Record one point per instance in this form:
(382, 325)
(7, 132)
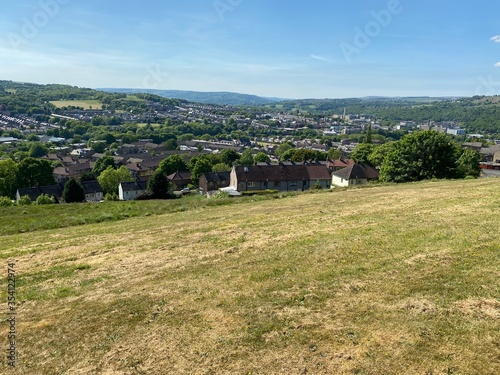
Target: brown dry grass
(387, 280)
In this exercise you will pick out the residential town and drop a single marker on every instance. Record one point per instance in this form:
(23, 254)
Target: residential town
(261, 148)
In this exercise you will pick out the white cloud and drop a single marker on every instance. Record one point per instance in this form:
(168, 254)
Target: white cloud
(320, 58)
(497, 64)
(496, 38)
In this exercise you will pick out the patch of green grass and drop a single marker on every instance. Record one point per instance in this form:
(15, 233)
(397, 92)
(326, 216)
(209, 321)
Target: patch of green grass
(22, 219)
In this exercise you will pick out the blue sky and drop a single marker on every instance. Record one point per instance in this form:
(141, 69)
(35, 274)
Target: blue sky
(281, 48)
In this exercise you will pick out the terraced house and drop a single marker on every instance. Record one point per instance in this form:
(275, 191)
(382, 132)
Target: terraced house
(283, 177)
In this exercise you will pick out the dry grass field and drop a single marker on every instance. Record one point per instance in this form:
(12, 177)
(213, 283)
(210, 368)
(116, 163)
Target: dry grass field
(85, 104)
(383, 280)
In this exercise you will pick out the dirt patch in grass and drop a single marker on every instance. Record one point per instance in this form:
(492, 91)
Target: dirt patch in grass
(487, 308)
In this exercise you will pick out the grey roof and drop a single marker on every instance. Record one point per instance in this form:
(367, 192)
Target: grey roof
(357, 172)
(91, 187)
(134, 186)
(282, 172)
(217, 176)
(34, 193)
(180, 175)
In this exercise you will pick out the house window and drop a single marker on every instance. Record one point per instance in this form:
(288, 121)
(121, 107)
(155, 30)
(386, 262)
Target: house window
(277, 183)
(251, 184)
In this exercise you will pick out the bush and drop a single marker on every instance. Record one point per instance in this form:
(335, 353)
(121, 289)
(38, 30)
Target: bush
(316, 186)
(147, 195)
(44, 199)
(259, 192)
(222, 195)
(24, 201)
(6, 202)
(111, 197)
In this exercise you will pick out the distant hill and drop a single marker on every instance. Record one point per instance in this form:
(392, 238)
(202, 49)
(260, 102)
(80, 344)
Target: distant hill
(220, 98)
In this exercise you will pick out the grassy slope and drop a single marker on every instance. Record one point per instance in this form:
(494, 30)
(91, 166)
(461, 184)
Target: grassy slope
(386, 280)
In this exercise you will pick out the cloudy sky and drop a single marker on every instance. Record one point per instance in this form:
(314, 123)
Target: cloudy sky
(280, 48)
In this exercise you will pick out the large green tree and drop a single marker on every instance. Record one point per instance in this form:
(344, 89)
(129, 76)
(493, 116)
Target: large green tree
(111, 178)
(102, 164)
(73, 192)
(468, 164)
(172, 164)
(37, 150)
(202, 165)
(229, 157)
(159, 185)
(35, 172)
(221, 167)
(362, 152)
(377, 157)
(8, 178)
(261, 157)
(334, 154)
(282, 148)
(420, 156)
(246, 158)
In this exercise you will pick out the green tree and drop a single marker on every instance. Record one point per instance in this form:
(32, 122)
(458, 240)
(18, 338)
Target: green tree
(229, 157)
(87, 176)
(334, 154)
(368, 135)
(35, 172)
(261, 157)
(8, 178)
(159, 185)
(111, 178)
(420, 156)
(468, 164)
(201, 166)
(362, 152)
(99, 147)
(32, 138)
(170, 144)
(288, 155)
(221, 167)
(377, 157)
(37, 150)
(281, 149)
(246, 157)
(73, 191)
(102, 164)
(302, 154)
(172, 164)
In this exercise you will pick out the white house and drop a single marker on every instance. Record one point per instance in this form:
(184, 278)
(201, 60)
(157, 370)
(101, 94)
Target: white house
(353, 175)
(128, 191)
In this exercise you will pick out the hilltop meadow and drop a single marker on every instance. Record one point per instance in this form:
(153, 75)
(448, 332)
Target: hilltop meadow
(395, 279)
